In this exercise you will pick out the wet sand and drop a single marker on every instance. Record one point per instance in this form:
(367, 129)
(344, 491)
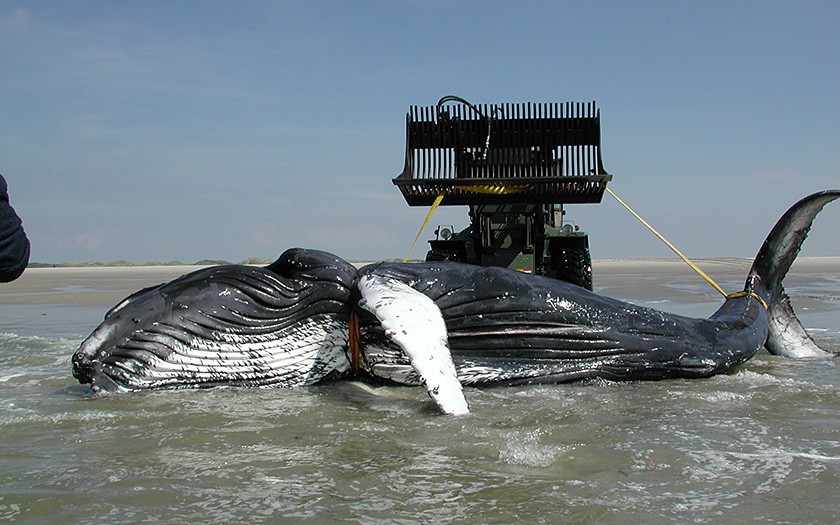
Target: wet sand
(88, 286)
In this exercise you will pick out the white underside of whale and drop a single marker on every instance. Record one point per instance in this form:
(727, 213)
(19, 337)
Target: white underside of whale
(293, 356)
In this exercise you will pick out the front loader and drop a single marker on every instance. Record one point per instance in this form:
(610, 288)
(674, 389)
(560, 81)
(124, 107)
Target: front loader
(515, 166)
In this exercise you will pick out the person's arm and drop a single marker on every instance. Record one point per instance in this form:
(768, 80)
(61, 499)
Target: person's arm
(14, 245)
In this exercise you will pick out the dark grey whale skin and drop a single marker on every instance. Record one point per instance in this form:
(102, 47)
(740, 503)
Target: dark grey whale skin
(552, 331)
(503, 327)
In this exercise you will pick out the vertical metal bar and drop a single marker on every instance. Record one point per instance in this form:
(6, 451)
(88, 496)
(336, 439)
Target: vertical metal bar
(558, 149)
(455, 141)
(582, 127)
(594, 132)
(410, 153)
(562, 149)
(436, 153)
(542, 138)
(564, 114)
(596, 139)
(508, 166)
(532, 113)
(536, 139)
(495, 166)
(592, 124)
(580, 154)
(445, 143)
(430, 153)
(565, 159)
(477, 143)
(586, 148)
(522, 114)
(545, 141)
(573, 148)
(428, 134)
(552, 154)
(426, 151)
(581, 150)
(525, 136)
(547, 156)
(513, 128)
(418, 162)
(414, 164)
(417, 153)
(447, 172)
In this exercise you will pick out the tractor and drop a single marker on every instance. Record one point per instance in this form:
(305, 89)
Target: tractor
(515, 166)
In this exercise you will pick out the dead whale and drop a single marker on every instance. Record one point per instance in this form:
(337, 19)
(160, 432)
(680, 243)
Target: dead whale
(311, 317)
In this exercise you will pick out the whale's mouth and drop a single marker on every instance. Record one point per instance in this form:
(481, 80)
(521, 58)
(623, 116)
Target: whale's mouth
(299, 354)
(231, 325)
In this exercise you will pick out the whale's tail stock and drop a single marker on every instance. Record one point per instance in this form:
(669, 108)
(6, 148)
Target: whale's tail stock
(786, 335)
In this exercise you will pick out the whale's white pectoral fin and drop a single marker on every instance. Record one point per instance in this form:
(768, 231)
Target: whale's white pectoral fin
(414, 323)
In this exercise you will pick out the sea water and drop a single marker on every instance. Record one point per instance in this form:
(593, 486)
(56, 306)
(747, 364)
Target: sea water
(758, 445)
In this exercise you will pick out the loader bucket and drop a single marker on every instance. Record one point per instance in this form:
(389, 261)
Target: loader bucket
(504, 153)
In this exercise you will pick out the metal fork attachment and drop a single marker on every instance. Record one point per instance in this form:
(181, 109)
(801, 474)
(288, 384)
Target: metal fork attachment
(503, 153)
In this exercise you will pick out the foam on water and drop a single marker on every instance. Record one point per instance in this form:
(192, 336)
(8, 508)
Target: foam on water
(526, 450)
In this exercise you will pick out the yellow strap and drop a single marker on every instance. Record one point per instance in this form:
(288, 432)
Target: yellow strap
(493, 189)
(746, 293)
(426, 222)
(693, 266)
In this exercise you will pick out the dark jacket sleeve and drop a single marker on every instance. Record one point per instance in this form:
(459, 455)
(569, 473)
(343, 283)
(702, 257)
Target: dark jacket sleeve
(14, 246)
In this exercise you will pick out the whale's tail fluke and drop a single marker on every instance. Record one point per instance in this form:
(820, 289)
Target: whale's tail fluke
(786, 335)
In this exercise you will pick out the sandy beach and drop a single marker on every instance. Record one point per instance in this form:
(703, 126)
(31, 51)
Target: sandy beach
(105, 286)
(88, 286)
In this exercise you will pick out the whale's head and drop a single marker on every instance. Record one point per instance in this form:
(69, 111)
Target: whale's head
(284, 325)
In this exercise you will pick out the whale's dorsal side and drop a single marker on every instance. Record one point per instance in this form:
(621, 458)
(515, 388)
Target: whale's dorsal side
(413, 322)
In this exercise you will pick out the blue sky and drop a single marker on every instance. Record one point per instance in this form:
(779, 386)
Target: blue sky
(190, 130)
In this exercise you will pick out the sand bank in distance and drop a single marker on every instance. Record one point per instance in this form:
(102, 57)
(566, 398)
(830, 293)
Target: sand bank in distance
(105, 285)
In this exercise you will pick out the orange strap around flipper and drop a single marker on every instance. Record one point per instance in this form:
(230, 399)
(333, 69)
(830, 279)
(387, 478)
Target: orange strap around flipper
(355, 351)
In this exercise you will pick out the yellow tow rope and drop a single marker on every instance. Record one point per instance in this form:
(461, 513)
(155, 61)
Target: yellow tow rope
(501, 190)
(693, 266)
(491, 189)
(434, 207)
(494, 189)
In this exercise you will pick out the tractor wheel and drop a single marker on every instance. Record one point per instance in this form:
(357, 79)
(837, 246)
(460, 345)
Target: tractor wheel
(574, 265)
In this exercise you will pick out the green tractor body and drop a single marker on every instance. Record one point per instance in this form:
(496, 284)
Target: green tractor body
(527, 238)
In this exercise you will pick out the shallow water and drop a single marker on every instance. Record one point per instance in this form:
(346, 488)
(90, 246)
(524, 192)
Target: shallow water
(757, 445)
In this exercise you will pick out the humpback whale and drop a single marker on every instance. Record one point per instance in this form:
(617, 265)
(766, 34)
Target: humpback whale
(311, 317)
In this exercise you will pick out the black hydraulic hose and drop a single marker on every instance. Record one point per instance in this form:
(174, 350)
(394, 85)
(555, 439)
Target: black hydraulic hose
(489, 120)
